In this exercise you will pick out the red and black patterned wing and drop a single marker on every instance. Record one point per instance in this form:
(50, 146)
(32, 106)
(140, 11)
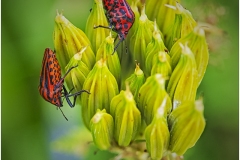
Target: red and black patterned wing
(50, 78)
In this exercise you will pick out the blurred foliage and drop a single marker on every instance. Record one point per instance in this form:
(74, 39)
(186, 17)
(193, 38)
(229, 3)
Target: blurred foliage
(30, 125)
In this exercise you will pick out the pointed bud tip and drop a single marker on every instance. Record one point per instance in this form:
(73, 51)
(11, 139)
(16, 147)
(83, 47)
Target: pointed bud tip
(97, 117)
(171, 6)
(110, 39)
(185, 49)
(143, 16)
(199, 31)
(199, 105)
(138, 70)
(179, 8)
(161, 109)
(61, 19)
(160, 78)
(78, 56)
(162, 56)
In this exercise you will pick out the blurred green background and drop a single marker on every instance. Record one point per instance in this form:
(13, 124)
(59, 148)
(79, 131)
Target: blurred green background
(30, 125)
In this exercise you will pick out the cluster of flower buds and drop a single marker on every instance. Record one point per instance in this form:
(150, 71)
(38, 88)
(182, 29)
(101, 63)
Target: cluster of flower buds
(158, 104)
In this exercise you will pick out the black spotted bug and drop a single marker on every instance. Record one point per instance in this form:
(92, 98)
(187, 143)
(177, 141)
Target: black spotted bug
(51, 86)
(120, 17)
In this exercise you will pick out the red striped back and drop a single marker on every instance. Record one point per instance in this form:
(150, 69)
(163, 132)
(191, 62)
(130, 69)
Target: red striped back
(50, 87)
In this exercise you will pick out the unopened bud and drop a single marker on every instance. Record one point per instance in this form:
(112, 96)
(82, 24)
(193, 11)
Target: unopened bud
(151, 95)
(161, 65)
(135, 81)
(96, 17)
(103, 87)
(157, 134)
(197, 43)
(101, 126)
(186, 123)
(183, 82)
(105, 51)
(69, 40)
(183, 25)
(78, 75)
(157, 9)
(141, 37)
(153, 48)
(127, 118)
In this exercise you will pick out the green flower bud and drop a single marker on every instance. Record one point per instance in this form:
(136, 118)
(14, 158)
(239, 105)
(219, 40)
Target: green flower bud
(197, 43)
(96, 17)
(78, 75)
(127, 118)
(141, 37)
(134, 7)
(129, 1)
(105, 51)
(135, 81)
(186, 126)
(139, 3)
(184, 82)
(101, 126)
(183, 25)
(161, 65)
(135, 24)
(153, 48)
(157, 134)
(156, 9)
(151, 96)
(69, 40)
(103, 87)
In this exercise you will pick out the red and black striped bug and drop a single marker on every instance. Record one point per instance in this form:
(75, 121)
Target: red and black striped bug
(51, 86)
(120, 17)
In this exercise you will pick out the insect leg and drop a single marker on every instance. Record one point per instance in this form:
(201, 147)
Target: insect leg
(101, 26)
(115, 48)
(75, 96)
(67, 95)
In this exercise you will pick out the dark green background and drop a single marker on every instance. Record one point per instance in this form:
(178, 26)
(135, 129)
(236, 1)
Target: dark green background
(29, 123)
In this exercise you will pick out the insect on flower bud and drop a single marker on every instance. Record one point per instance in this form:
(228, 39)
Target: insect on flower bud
(79, 74)
(105, 52)
(135, 81)
(141, 37)
(183, 82)
(157, 134)
(96, 17)
(183, 25)
(186, 126)
(151, 95)
(103, 87)
(101, 126)
(127, 118)
(69, 40)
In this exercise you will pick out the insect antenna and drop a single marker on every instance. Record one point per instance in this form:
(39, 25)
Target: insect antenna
(126, 48)
(63, 113)
(68, 71)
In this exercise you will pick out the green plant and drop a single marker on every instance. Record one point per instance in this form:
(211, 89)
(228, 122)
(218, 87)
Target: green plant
(158, 118)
